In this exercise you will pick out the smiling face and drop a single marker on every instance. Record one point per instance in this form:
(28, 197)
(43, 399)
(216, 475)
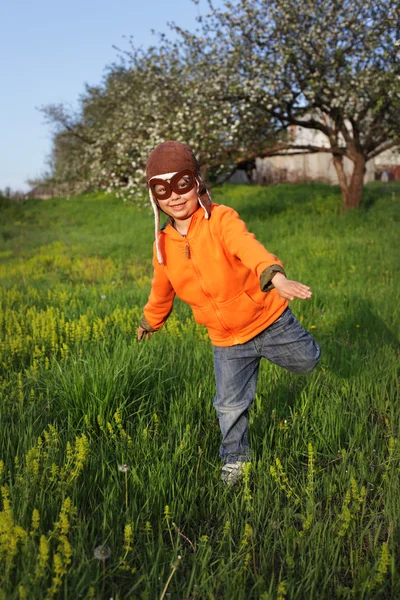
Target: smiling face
(177, 197)
(180, 207)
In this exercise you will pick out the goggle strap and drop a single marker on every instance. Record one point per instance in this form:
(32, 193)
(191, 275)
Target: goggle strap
(203, 207)
(156, 226)
(200, 184)
(164, 176)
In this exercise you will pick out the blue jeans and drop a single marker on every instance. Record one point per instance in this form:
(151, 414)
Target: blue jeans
(285, 343)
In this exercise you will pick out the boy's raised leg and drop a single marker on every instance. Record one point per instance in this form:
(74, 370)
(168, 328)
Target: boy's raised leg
(287, 344)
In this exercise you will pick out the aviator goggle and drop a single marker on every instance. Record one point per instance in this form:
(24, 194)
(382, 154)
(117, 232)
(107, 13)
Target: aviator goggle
(181, 183)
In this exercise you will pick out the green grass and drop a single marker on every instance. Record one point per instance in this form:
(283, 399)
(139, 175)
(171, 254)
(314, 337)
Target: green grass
(317, 515)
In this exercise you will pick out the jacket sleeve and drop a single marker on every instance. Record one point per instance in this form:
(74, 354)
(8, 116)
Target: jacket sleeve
(244, 245)
(161, 299)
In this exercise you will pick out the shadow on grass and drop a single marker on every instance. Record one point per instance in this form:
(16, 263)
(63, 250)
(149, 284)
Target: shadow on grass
(257, 201)
(313, 198)
(262, 203)
(358, 340)
(377, 190)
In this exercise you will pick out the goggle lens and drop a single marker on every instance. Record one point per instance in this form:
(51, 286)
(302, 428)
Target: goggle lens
(181, 183)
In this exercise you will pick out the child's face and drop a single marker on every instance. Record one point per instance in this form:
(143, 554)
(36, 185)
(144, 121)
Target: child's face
(178, 205)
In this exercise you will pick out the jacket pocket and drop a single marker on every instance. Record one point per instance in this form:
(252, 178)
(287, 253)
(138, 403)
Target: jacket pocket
(234, 314)
(240, 312)
(204, 316)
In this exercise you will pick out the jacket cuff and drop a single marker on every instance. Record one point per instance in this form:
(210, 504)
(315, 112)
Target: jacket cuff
(145, 325)
(266, 283)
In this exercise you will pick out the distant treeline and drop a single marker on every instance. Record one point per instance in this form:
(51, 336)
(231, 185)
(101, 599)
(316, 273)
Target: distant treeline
(233, 89)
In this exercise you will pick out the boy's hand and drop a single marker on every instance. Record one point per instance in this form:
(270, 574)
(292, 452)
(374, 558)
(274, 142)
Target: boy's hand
(142, 332)
(290, 289)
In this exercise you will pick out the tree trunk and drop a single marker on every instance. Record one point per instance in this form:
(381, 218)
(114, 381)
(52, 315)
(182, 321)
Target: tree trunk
(344, 187)
(356, 183)
(351, 193)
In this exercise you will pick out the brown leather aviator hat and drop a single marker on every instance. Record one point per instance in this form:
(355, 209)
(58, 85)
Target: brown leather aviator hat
(171, 157)
(164, 162)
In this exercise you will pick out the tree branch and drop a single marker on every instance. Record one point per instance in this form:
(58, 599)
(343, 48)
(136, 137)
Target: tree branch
(383, 147)
(278, 150)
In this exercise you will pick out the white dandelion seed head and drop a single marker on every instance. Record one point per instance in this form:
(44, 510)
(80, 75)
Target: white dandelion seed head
(102, 552)
(123, 468)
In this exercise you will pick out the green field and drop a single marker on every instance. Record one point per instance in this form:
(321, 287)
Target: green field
(317, 515)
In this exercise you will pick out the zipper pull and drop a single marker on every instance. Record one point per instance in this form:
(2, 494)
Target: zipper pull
(187, 251)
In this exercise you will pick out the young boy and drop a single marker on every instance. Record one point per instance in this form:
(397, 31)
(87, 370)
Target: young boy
(235, 287)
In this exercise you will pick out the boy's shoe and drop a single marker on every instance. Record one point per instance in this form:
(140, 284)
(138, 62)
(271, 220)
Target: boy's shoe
(232, 472)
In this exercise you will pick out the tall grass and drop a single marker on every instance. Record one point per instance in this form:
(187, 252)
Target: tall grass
(109, 467)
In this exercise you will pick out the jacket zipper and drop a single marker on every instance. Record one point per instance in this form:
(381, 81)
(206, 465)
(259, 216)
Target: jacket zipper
(213, 304)
(187, 247)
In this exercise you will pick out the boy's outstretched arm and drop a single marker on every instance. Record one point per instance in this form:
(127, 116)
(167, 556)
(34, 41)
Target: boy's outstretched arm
(243, 244)
(290, 289)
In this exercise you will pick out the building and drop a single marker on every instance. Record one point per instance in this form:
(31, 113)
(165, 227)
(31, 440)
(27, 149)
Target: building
(318, 166)
(44, 192)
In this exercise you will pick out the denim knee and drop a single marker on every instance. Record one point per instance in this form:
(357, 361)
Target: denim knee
(310, 360)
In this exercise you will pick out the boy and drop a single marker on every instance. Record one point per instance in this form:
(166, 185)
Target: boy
(235, 287)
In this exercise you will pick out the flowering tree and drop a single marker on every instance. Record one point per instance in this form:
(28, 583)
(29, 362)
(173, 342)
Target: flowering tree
(231, 90)
(149, 97)
(326, 65)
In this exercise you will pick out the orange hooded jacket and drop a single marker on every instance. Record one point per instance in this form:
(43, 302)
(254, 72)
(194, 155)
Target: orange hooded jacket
(216, 269)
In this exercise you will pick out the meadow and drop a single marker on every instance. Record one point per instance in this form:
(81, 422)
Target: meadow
(109, 469)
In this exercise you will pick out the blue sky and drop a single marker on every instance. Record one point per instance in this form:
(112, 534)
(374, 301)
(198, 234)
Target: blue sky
(49, 49)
